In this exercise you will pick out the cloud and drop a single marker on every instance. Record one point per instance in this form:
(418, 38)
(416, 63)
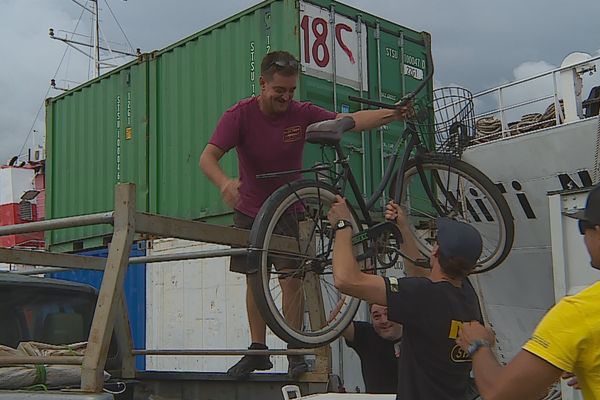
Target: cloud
(25, 75)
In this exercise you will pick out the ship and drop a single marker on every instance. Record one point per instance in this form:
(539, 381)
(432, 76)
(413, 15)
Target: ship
(531, 146)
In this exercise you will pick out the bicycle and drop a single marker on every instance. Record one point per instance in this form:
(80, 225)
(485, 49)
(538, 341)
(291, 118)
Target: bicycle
(434, 182)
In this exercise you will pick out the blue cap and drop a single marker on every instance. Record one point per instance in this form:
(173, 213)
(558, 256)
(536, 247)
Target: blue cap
(458, 239)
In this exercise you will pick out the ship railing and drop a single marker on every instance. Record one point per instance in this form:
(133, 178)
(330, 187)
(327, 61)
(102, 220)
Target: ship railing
(532, 103)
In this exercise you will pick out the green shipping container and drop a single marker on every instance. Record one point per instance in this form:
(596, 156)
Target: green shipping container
(148, 121)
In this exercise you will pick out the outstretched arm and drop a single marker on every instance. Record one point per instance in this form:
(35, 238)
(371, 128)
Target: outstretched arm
(395, 212)
(348, 277)
(370, 119)
(527, 376)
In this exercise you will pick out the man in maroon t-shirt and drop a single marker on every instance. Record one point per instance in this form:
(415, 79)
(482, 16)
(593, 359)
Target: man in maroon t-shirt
(268, 133)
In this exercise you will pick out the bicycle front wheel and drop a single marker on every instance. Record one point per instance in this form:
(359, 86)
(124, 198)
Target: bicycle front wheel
(438, 187)
(291, 246)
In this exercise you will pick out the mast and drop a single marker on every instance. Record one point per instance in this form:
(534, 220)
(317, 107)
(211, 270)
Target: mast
(96, 39)
(96, 42)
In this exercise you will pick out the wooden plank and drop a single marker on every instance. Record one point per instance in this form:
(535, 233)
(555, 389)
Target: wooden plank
(46, 259)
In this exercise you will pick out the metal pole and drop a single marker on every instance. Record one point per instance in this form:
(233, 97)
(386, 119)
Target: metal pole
(333, 56)
(97, 38)
(380, 129)
(558, 114)
(189, 256)
(222, 352)
(360, 91)
(59, 223)
(503, 123)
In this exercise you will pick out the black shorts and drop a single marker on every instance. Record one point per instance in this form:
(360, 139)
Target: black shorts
(287, 226)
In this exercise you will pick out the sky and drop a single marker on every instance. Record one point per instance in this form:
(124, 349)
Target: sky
(477, 44)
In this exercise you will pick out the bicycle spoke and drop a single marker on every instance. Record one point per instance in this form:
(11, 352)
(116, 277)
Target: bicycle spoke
(461, 197)
(311, 261)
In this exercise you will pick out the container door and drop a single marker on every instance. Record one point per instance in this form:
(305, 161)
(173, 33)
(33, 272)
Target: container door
(334, 62)
(398, 67)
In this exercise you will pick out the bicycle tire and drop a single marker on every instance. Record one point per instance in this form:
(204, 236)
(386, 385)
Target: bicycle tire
(481, 205)
(319, 324)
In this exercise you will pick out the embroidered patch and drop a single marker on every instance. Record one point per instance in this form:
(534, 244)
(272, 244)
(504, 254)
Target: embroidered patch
(292, 134)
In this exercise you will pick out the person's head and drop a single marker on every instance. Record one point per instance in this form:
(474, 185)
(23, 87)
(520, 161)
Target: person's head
(458, 247)
(385, 328)
(589, 225)
(278, 80)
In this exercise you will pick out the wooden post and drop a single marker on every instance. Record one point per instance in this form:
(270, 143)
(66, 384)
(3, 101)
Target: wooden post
(316, 311)
(111, 290)
(124, 340)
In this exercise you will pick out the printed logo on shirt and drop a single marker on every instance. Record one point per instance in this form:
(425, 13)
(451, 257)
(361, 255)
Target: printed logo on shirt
(292, 134)
(454, 328)
(459, 355)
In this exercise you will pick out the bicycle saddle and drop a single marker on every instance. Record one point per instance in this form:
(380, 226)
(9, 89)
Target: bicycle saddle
(328, 132)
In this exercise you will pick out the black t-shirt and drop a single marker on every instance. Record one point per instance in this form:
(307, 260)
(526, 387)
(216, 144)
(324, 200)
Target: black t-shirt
(432, 365)
(378, 360)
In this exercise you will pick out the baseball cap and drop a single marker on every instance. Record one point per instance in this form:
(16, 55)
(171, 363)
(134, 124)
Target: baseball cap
(591, 212)
(459, 239)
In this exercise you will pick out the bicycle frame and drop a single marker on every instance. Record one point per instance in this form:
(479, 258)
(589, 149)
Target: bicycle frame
(412, 140)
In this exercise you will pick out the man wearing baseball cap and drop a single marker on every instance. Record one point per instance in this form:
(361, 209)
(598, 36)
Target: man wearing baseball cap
(431, 309)
(566, 341)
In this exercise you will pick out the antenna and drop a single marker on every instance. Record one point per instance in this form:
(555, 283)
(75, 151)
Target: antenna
(96, 41)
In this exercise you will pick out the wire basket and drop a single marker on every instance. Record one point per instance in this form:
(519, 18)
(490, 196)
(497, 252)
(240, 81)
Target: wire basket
(448, 119)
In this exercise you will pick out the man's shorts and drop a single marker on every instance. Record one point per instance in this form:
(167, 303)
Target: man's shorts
(287, 226)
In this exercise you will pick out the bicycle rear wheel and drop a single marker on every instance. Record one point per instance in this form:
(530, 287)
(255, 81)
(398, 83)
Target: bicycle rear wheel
(459, 191)
(316, 312)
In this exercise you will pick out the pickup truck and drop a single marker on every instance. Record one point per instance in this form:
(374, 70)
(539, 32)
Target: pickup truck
(57, 312)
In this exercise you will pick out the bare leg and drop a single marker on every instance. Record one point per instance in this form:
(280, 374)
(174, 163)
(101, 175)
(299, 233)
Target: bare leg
(250, 363)
(293, 301)
(293, 310)
(258, 327)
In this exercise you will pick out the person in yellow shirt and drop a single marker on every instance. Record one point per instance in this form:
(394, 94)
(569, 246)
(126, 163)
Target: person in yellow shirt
(566, 340)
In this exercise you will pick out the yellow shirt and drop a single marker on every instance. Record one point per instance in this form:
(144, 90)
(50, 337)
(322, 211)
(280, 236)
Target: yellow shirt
(568, 337)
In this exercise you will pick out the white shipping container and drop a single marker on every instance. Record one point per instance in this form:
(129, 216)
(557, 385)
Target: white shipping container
(200, 304)
(197, 304)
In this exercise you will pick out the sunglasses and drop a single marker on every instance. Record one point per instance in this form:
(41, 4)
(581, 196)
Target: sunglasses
(279, 63)
(585, 225)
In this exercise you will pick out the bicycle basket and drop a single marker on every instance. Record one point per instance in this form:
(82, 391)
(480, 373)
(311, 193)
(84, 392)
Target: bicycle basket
(448, 119)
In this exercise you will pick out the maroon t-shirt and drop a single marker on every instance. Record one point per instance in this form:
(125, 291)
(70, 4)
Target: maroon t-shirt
(265, 144)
